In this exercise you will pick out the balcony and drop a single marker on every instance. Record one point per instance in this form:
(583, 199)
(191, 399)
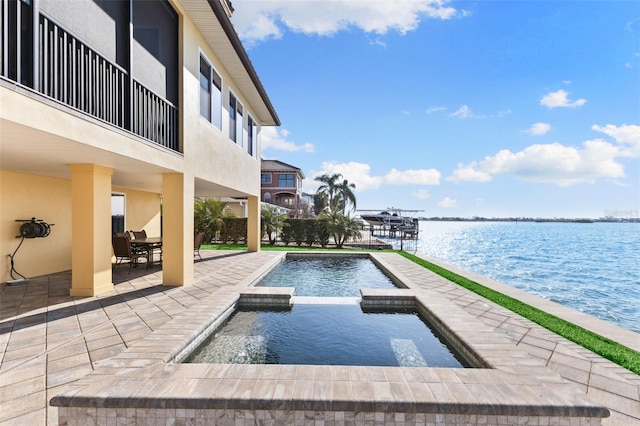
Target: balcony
(41, 54)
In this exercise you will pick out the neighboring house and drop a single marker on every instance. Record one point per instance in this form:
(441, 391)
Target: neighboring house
(282, 185)
(113, 113)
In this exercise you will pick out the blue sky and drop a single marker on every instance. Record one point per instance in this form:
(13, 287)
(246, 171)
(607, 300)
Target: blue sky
(456, 108)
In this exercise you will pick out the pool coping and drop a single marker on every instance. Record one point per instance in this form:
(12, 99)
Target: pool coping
(512, 383)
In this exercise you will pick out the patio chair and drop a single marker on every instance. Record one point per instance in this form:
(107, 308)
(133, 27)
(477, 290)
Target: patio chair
(135, 235)
(197, 242)
(138, 234)
(122, 250)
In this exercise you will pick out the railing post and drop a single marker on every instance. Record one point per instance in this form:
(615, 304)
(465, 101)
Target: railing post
(4, 27)
(35, 52)
(129, 68)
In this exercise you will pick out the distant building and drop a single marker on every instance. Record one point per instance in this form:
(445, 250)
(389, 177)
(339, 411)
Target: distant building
(281, 185)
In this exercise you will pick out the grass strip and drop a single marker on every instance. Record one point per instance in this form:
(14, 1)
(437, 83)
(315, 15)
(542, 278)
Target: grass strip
(613, 351)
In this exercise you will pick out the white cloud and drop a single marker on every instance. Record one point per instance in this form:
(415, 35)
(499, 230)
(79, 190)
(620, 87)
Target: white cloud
(275, 139)
(360, 175)
(447, 202)
(433, 109)
(264, 19)
(550, 163)
(421, 194)
(560, 99)
(469, 173)
(627, 136)
(354, 172)
(413, 177)
(463, 112)
(539, 129)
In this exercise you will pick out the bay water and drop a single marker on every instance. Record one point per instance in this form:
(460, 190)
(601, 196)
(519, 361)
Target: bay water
(590, 267)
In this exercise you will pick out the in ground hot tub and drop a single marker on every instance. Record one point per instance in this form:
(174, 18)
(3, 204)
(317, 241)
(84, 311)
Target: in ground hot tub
(327, 334)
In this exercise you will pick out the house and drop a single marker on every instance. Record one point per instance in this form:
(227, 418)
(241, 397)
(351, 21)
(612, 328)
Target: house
(115, 115)
(281, 185)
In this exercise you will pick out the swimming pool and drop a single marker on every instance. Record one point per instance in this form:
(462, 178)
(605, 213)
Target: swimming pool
(327, 334)
(327, 276)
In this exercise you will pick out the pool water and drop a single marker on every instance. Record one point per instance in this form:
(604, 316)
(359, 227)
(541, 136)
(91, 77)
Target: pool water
(319, 334)
(338, 276)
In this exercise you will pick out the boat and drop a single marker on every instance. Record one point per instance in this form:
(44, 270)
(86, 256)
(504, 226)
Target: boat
(383, 218)
(392, 218)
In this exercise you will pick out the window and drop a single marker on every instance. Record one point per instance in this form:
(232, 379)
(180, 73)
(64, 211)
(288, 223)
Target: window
(288, 202)
(265, 178)
(235, 120)
(210, 93)
(216, 99)
(205, 89)
(286, 181)
(117, 213)
(239, 125)
(267, 197)
(252, 136)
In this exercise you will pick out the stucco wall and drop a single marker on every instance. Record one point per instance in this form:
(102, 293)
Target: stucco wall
(209, 152)
(24, 196)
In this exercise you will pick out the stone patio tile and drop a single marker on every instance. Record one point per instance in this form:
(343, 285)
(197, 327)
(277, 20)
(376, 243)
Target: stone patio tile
(283, 390)
(303, 390)
(627, 406)
(53, 366)
(617, 386)
(102, 333)
(105, 342)
(68, 375)
(376, 375)
(56, 339)
(24, 371)
(572, 359)
(536, 351)
(393, 374)
(72, 348)
(106, 352)
(269, 372)
(22, 405)
(17, 353)
(36, 417)
(22, 388)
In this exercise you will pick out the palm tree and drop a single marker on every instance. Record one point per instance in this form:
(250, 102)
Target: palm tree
(328, 186)
(271, 221)
(208, 214)
(320, 202)
(345, 195)
(341, 227)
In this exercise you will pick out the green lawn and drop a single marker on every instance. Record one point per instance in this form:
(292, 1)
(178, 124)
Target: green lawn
(615, 352)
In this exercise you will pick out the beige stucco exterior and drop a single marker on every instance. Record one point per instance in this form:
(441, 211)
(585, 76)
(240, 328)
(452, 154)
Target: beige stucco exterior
(61, 165)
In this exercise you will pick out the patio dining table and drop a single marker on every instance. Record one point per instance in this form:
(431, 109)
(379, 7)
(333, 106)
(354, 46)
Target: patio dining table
(151, 244)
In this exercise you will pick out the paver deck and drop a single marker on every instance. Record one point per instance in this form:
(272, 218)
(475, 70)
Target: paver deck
(50, 341)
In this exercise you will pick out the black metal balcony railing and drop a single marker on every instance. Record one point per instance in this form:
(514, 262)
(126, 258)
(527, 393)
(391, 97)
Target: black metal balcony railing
(76, 75)
(73, 73)
(154, 117)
